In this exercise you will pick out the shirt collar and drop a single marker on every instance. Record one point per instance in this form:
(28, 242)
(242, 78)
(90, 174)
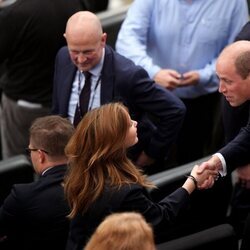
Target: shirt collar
(47, 169)
(96, 71)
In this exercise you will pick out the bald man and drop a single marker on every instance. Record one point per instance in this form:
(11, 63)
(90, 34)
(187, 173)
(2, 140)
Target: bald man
(233, 70)
(114, 78)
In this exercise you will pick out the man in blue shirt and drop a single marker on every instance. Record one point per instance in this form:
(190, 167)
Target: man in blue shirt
(178, 42)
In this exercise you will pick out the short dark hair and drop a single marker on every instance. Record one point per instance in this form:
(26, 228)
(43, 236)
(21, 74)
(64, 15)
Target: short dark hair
(51, 133)
(242, 64)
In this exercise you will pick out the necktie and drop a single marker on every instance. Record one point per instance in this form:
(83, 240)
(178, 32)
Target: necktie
(83, 99)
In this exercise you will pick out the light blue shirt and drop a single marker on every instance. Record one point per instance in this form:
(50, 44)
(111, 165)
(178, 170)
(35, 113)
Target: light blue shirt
(183, 35)
(95, 95)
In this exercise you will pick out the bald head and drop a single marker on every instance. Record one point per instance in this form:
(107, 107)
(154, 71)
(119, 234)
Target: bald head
(238, 55)
(83, 23)
(85, 40)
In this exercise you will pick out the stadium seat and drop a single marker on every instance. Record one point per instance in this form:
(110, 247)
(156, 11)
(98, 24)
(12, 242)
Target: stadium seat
(16, 169)
(219, 237)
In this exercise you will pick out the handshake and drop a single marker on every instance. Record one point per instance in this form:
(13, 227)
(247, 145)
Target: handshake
(204, 175)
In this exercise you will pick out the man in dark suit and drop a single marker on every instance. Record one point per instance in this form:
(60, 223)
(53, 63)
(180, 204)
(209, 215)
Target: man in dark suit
(234, 118)
(33, 216)
(114, 78)
(233, 70)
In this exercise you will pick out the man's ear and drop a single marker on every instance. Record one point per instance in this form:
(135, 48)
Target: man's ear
(64, 35)
(104, 39)
(42, 156)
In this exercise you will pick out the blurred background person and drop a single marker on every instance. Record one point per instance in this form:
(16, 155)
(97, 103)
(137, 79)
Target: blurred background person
(122, 231)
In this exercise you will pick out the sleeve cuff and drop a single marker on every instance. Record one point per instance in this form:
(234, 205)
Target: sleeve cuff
(222, 172)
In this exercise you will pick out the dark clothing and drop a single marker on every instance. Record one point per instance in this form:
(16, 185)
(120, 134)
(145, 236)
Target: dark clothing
(234, 119)
(96, 5)
(122, 81)
(237, 152)
(199, 128)
(33, 216)
(246, 239)
(244, 33)
(128, 198)
(32, 32)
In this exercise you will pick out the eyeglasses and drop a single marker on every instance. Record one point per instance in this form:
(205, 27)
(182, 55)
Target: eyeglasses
(29, 150)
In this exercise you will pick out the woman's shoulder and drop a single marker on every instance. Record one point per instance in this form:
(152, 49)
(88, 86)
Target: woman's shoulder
(128, 187)
(121, 192)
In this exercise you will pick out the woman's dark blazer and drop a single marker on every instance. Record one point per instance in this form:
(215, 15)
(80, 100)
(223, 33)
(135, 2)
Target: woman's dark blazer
(128, 198)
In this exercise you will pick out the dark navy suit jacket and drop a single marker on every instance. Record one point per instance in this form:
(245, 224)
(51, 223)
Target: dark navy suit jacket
(123, 81)
(34, 215)
(237, 152)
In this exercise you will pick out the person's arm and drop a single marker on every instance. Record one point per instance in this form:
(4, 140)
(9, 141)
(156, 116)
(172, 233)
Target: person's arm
(167, 111)
(197, 180)
(236, 153)
(156, 213)
(236, 21)
(132, 37)
(171, 206)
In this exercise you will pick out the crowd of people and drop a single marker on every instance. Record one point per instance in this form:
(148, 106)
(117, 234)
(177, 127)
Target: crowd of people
(96, 120)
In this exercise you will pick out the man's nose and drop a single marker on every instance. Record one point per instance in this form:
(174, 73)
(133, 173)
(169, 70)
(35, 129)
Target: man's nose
(222, 88)
(81, 58)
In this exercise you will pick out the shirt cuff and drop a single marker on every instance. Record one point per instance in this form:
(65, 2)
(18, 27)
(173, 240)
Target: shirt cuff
(222, 172)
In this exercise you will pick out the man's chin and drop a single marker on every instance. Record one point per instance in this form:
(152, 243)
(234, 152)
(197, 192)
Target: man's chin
(84, 68)
(235, 104)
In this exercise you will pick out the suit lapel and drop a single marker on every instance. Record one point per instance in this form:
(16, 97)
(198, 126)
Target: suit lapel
(108, 78)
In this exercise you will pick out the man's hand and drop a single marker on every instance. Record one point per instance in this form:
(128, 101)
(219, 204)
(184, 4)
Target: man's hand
(214, 165)
(243, 174)
(189, 78)
(144, 160)
(205, 178)
(168, 78)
